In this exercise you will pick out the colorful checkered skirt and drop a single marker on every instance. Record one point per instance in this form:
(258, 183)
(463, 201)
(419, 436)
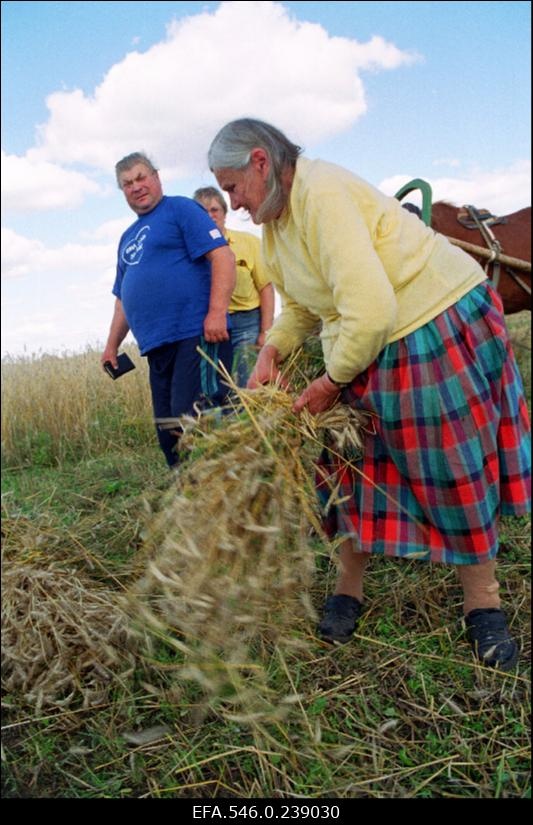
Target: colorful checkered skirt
(449, 448)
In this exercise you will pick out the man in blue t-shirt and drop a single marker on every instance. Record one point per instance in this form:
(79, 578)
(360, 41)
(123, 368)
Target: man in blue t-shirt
(175, 277)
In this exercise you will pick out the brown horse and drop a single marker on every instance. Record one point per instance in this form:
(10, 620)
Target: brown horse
(514, 236)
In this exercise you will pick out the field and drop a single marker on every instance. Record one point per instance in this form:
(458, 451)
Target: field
(401, 712)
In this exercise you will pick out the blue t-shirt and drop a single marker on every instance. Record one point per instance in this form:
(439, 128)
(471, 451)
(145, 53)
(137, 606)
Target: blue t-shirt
(163, 278)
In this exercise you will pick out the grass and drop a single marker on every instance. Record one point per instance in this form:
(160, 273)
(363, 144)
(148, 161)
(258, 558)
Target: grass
(401, 712)
(62, 409)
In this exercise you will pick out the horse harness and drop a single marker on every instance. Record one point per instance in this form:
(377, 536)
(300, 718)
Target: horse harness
(472, 218)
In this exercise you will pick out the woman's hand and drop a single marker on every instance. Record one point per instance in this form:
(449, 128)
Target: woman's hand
(266, 369)
(320, 395)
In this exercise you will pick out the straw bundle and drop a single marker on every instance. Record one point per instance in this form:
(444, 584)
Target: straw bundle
(232, 560)
(64, 638)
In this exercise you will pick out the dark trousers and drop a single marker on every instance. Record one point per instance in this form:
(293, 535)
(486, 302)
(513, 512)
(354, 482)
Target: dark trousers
(180, 378)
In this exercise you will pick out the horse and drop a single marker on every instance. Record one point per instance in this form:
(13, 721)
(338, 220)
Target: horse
(502, 245)
(513, 232)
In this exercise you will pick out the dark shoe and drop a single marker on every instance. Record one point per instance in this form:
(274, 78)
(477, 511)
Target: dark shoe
(487, 632)
(341, 614)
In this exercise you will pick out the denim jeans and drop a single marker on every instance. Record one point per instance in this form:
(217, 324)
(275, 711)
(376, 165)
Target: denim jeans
(245, 329)
(181, 378)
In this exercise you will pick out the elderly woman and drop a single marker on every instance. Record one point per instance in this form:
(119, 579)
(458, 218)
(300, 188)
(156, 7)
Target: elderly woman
(413, 334)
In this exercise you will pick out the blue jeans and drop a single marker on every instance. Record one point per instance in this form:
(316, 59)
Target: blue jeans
(180, 378)
(245, 329)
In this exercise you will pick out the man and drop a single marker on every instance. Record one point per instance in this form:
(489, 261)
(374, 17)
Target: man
(175, 277)
(252, 302)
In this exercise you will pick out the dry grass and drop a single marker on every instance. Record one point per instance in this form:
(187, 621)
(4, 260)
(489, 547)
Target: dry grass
(230, 561)
(65, 641)
(59, 408)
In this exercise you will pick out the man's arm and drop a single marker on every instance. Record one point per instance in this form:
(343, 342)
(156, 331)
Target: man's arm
(266, 306)
(223, 276)
(117, 332)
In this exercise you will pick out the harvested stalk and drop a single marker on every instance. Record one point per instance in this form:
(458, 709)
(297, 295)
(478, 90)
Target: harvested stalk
(65, 640)
(230, 560)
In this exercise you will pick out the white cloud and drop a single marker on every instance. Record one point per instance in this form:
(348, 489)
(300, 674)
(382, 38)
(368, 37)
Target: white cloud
(378, 54)
(503, 190)
(110, 230)
(171, 99)
(56, 330)
(40, 324)
(24, 256)
(18, 253)
(29, 184)
(69, 304)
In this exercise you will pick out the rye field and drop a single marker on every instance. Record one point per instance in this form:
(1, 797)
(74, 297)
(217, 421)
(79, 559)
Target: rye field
(158, 635)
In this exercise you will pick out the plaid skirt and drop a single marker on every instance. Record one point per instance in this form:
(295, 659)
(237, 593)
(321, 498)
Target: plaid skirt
(450, 449)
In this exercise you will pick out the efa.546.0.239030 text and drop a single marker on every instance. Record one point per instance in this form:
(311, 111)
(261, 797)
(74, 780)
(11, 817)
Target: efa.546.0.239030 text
(269, 811)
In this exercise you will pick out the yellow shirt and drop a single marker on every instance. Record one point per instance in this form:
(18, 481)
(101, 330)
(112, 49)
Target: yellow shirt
(346, 255)
(251, 274)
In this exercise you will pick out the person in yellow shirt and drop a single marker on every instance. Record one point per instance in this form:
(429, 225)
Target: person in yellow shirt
(412, 333)
(252, 303)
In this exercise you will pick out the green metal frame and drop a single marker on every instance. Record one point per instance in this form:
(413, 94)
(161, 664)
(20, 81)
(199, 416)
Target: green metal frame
(425, 188)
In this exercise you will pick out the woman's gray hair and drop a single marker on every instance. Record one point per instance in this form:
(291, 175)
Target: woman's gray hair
(232, 148)
(207, 193)
(130, 161)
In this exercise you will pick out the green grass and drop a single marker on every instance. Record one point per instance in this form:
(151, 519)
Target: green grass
(400, 712)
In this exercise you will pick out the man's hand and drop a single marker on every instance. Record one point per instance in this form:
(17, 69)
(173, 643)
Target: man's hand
(117, 332)
(109, 354)
(215, 327)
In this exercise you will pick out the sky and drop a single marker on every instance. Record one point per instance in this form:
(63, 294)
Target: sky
(390, 90)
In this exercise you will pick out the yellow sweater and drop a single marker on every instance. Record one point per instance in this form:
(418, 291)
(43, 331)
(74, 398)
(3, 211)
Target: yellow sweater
(251, 275)
(344, 254)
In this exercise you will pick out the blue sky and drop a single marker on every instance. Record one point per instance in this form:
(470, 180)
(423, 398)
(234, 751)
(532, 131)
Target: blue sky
(391, 90)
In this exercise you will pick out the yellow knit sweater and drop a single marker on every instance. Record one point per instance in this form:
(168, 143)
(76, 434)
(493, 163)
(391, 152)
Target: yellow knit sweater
(344, 254)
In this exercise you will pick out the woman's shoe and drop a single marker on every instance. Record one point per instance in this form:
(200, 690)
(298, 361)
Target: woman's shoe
(341, 614)
(487, 632)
